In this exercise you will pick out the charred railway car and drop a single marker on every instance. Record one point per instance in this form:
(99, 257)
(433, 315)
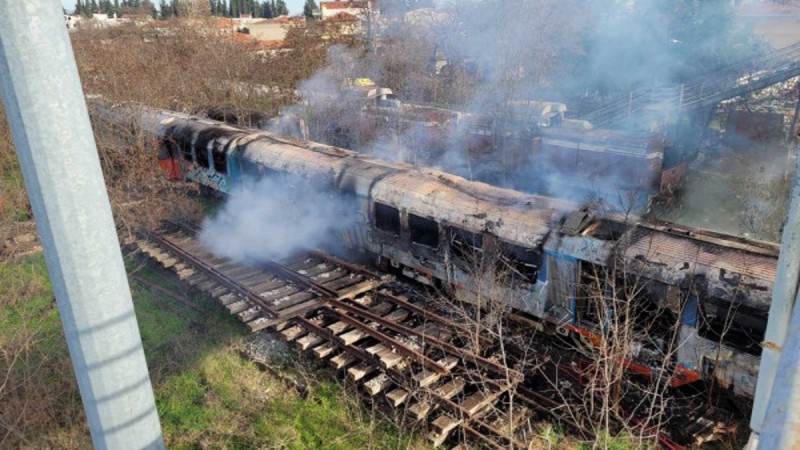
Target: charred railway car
(714, 289)
(607, 162)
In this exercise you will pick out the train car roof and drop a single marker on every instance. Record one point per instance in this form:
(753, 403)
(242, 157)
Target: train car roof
(726, 266)
(515, 217)
(728, 272)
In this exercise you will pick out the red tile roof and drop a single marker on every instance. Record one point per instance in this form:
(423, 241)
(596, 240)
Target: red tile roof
(342, 5)
(344, 17)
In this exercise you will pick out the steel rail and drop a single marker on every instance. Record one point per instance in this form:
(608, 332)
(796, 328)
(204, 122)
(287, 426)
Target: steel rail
(397, 345)
(217, 276)
(508, 372)
(435, 317)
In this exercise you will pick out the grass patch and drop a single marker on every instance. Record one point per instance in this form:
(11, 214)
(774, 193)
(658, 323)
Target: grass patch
(228, 401)
(207, 395)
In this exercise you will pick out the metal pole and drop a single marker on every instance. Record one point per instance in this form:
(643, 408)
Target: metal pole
(781, 428)
(784, 292)
(53, 137)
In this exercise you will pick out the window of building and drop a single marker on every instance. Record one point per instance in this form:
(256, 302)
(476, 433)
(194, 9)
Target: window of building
(387, 218)
(423, 231)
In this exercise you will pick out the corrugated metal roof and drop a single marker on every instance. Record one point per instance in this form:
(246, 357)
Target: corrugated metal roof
(685, 255)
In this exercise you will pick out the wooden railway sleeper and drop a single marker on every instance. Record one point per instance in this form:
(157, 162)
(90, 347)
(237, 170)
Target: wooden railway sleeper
(504, 371)
(484, 340)
(397, 345)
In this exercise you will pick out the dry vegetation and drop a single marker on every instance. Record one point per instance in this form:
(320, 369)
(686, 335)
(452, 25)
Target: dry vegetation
(183, 66)
(206, 393)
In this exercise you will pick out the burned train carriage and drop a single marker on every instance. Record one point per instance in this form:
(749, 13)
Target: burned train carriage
(703, 296)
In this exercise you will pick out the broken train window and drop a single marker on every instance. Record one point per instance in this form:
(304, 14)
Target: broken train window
(387, 218)
(220, 159)
(465, 245)
(523, 264)
(167, 149)
(423, 231)
(737, 326)
(202, 156)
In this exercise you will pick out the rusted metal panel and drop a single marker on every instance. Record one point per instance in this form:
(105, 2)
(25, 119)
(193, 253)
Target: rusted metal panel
(679, 261)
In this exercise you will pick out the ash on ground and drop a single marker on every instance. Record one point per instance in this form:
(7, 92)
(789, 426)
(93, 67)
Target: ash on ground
(269, 349)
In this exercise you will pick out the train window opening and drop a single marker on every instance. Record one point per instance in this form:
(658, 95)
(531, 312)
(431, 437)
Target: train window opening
(733, 326)
(465, 245)
(523, 263)
(202, 157)
(220, 160)
(606, 230)
(387, 218)
(652, 314)
(186, 151)
(167, 149)
(423, 231)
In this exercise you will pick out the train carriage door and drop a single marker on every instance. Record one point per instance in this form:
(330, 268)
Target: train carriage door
(187, 156)
(562, 274)
(591, 308)
(424, 234)
(202, 157)
(233, 161)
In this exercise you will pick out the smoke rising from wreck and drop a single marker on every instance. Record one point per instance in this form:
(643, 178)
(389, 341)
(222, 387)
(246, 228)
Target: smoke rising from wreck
(494, 53)
(271, 218)
(486, 58)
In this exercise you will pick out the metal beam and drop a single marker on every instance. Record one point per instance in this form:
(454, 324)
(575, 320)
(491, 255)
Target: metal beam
(57, 152)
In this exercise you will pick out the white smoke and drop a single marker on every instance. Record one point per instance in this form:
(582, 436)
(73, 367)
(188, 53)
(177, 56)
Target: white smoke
(273, 218)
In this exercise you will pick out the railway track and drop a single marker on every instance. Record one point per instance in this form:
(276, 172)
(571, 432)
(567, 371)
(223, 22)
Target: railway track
(397, 352)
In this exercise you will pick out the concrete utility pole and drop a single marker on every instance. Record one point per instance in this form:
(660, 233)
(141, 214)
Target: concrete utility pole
(784, 293)
(50, 125)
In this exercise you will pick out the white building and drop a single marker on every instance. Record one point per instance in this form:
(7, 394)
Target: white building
(358, 9)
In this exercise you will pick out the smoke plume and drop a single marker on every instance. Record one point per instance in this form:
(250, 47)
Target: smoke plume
(274, 217)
